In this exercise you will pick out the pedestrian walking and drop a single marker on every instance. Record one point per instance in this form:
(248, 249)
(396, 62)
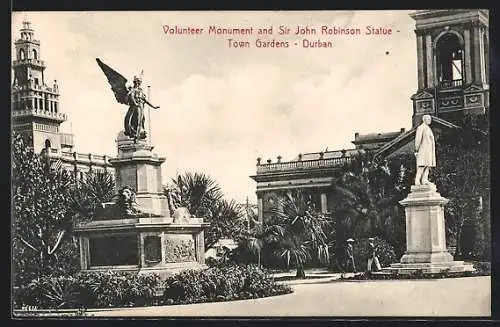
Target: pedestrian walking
(350, 256)
(373, 255)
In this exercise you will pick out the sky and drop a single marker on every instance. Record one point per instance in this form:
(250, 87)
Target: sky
(222, 107)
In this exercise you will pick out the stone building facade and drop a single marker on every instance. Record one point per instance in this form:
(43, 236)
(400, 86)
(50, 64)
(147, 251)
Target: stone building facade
(36, 113)
(453, 63)
(453, 81)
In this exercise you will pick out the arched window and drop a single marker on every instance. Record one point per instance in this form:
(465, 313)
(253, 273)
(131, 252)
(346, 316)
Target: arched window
(22, 54)
(47, 143)
(450, 60)
(35, 54)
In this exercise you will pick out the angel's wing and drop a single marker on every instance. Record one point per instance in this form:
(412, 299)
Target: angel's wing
(116, 80)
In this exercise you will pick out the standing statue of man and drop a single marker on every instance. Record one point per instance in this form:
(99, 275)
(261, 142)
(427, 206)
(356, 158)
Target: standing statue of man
(425, 151)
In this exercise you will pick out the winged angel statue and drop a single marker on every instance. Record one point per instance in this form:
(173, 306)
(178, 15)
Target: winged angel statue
(133, 96)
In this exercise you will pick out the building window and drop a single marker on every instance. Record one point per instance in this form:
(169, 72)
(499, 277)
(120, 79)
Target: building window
(47, 143)
(450, 60)
(35, 54)
(36, 81)
(22, 55)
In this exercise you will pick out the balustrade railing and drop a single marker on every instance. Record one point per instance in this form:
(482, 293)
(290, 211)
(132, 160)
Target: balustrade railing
(81, 157)
(29, 61)
(450, 84)
(40, 113)
(302, 164)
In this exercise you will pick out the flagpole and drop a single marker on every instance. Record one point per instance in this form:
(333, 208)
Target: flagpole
(149, 113)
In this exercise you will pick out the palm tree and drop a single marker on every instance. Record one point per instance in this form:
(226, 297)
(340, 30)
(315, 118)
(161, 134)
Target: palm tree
(226, 220)
(203, 198)
(300, 230)
(258, 236)
(97, 187)
(197, 192)
(366, 199)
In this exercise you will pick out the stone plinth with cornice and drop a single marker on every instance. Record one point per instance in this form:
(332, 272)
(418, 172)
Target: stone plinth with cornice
(425, 234)
(139, 168)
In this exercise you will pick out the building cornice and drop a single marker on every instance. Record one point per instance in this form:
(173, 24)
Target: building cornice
(427, 19)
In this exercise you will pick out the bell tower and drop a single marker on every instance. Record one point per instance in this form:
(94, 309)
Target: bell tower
(35, 105)
(453, 63)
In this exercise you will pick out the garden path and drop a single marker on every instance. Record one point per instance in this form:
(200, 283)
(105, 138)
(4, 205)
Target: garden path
(464, 297)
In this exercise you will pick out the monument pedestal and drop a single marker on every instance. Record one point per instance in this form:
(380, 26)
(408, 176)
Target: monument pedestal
(425, 235)
(149, 241)
(140, 169)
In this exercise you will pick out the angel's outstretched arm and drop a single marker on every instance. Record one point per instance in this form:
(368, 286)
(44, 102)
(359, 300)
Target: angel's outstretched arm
(149, 104)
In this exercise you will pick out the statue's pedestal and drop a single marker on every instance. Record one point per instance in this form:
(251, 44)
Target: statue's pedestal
(149, 242)
(139, 168)
(143, 245)
(425, 235)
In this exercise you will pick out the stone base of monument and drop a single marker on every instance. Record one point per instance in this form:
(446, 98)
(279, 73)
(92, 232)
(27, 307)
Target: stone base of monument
(143, 245)
(147, 240)
(425, 235)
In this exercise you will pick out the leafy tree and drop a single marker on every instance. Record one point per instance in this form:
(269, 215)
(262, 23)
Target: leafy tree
(463, 176)
(41, 205)
(46, 204)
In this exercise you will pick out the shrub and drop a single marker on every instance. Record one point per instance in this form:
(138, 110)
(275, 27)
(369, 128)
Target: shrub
(49, 292)
(111, 289)
(385, 253)
(89, 289)
(221, 283)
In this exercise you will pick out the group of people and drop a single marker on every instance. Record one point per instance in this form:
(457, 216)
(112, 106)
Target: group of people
(372, 258)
